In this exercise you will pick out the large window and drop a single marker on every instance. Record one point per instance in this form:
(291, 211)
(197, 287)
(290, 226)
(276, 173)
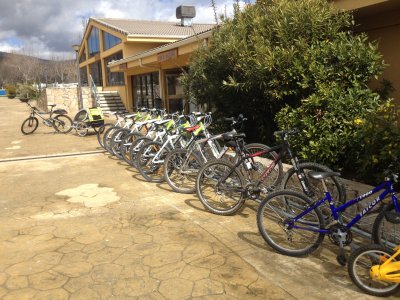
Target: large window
(95, 72)
(146, 90)
(83, 73)
(110, 40)
(114, 78)
(94, 42)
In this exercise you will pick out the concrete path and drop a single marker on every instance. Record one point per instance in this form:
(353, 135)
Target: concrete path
(88, 227)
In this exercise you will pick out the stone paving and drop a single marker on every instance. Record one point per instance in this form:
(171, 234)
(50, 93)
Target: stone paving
(88, 227)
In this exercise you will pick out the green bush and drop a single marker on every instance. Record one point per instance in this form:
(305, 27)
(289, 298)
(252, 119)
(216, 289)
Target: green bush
(379, 140)
(26, 91)
(11, 90)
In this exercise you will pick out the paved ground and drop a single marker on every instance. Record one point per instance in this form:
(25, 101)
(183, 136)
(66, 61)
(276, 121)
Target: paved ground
(88, 227)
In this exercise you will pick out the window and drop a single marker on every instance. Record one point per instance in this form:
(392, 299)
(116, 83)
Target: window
(95, 72)
(83, 73)
(146, 90)
(94, 42)
(110, 40)
(114, 78)
(83, 55)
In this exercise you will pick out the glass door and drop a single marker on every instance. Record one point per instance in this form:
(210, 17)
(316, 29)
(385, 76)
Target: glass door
(175, 96)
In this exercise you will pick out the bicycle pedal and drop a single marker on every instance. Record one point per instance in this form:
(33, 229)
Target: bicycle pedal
(341, 259)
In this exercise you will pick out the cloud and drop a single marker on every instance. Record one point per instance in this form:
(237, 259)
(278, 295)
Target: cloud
(51, 27)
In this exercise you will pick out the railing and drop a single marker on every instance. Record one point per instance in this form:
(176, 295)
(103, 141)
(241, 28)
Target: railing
(93, 91)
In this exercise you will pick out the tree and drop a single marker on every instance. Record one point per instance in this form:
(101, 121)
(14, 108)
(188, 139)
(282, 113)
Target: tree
(290, 63)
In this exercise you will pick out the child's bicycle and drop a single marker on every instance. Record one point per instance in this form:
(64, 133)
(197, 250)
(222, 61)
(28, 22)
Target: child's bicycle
(375, 269)
(56, 118)
(88, 118)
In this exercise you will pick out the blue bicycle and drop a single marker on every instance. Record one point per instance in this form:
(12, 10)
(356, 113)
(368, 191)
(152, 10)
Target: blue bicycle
(292, 224)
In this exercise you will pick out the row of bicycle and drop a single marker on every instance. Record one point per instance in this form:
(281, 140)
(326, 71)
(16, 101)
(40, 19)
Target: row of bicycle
(298, 208)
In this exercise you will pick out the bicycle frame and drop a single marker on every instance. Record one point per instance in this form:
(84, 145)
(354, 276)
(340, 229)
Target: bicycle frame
(388, 271)
(387, 186)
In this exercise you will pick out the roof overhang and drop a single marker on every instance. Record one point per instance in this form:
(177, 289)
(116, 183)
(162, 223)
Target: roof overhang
(138, 57)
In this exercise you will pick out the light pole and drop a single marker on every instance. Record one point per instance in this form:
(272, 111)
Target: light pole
(80, 100)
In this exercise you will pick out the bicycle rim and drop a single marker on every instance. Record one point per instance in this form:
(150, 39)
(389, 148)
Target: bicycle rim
(276, 211)
(220, 193)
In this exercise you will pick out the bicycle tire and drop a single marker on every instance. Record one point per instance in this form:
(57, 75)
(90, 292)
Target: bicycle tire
(62, 126)
(135, 148)
(31, 123)
(151, 172)
(385, 232)
(125, 147)
(117, 139)
(100, 132)
(359, 264)
(287, 204)
(107, 137)
(335, 186)
(173, 170)
(208, 180)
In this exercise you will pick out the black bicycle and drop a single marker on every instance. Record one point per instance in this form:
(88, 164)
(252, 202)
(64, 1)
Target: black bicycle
(222, 187)
(57, 119)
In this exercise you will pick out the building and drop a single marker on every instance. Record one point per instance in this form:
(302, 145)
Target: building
(380, 19)
(140, 60)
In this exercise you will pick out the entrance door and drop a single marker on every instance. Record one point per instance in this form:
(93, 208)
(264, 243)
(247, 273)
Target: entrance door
(175, 94)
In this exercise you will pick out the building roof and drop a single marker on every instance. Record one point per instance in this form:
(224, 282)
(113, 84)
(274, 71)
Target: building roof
(146, 28)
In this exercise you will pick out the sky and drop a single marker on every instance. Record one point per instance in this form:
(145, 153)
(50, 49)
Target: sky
(49, 28)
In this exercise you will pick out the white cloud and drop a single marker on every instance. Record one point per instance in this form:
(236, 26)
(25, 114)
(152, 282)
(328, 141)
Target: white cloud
(53, 26)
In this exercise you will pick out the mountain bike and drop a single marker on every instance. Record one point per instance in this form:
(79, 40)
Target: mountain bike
(375, 270)
(181, 166)
(292, 223)
(223, 187)
(151, 156)
(57, 119)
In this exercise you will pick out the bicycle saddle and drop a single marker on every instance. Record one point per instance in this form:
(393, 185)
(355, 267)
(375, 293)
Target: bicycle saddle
(51, 105)
(322, 175)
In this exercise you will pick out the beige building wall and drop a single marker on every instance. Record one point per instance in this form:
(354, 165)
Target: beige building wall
(380, 19)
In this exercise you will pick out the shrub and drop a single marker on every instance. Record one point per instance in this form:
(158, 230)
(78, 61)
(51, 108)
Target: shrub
(11, 90)
(297, 55)
(379, 140)
(26, 91)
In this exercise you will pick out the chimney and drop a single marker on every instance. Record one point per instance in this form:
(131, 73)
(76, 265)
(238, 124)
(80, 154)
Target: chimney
(186, 14)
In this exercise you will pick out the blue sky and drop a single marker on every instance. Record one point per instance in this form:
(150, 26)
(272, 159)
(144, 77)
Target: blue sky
(48, 28)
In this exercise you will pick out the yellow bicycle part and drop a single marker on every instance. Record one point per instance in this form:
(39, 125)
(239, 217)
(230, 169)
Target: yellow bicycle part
(388, 270)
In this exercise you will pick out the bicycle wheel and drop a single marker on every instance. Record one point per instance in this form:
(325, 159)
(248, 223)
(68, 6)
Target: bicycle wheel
(81, 128)
(385, 232)
(359, 265)
(62, 123)
(219, 187)
(135, 148)
(150, 160)
(180, 170)
(107, 137)
(273, 219)
(129, 139)
(100, 133)
(335, 186)
(263, 162)
(117, 139)
(29, 125)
